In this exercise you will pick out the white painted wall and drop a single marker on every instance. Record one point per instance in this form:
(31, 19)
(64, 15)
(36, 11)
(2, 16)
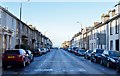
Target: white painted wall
(9, 22)
(114, 36)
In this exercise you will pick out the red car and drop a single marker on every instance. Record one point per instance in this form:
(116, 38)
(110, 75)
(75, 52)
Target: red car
(15, 57)
(37, 52)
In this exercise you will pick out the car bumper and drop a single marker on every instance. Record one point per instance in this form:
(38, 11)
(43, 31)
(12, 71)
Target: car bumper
(11, 63)
(81, 54)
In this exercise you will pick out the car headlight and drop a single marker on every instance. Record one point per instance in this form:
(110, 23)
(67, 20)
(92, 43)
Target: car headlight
(112, 60)
(99, 56)
(117, 61)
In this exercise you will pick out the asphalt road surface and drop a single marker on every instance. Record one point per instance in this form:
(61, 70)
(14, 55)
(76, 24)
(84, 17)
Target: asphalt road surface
(60, 62)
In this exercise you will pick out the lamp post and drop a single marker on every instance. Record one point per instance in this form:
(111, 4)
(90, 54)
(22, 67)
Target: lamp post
(20, 26)
(81, 37)
(80, 25)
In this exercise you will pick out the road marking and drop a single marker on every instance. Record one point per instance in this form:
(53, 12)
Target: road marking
(48, 70)
(82, 70)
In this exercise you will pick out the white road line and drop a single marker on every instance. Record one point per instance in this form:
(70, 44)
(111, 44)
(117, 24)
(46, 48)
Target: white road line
(82, 70)
(44, 70)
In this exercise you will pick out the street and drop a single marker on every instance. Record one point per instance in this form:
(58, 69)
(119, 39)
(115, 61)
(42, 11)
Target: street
(60, 62)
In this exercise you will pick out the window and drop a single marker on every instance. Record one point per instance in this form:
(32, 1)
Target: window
(110, 28)
(116, 27)
(0, 20)
(94, 35)
(9, 42)
(117, 45)
(0, 17)
(5, 42)
(111, 45)
(101, 46)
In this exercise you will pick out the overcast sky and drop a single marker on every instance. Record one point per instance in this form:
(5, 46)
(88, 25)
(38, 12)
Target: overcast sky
(58, 20)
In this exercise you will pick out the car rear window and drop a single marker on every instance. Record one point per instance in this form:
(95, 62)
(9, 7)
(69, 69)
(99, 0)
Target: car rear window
(114, 54)
(12, 52)
(41, 48)
(90, 51)
(99, 51)
(82, 50)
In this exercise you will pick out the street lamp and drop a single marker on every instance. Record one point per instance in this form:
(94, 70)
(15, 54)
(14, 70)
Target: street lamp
(80, 25)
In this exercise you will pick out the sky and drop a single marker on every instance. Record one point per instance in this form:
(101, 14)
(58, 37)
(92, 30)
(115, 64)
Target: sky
(58, 20)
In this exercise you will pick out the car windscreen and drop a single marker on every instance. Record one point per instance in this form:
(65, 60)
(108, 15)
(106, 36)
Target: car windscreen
(90, 51)
(41, 49)
(74, 48)
(114, 54)
(99, 51)
(82, 50)
(28, 52)
(12, 52)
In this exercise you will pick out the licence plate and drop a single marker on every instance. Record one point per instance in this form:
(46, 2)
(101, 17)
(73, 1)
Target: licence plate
(10, 56)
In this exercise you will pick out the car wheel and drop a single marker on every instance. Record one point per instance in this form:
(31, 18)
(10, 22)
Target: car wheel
(101, 62)
(32, 59)
(91, 59)
(95, 60)
(118, 70)
(108, 64)
(39, 54)
(23, 64)
(28, 62)
(87, 57)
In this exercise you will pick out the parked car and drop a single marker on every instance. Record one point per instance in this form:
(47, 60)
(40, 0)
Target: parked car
(37, 52)
(43, 50)
(81, 52)
(15, 57)
(69, 49)
(30, 55)
(48, 49)
(110, 58)
(88, 54)
(96, 55)
(66, 49)
(74, 50)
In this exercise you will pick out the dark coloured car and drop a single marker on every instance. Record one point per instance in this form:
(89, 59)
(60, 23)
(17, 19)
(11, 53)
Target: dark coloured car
(48, 49)
(69, 49)
(30, 55)
(37, 52)
(66, 49)
(15, 57)
(43, 50)
(74, 50)
(96, 55)
(81, 52)
(110, 58)
(88, 54)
